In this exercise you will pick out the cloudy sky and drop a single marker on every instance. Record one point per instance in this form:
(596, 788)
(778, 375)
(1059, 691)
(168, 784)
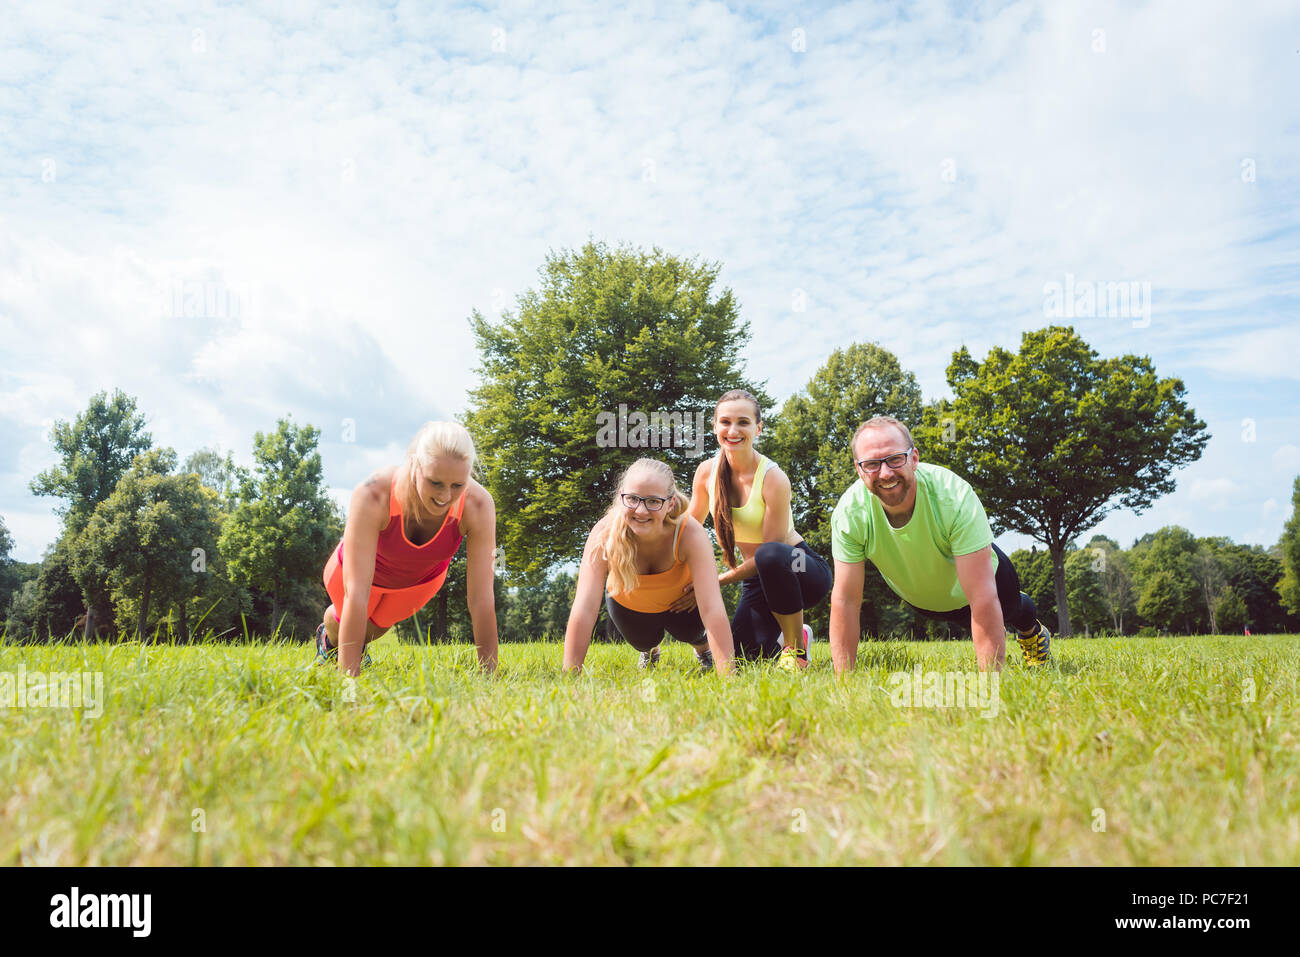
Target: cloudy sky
(237, 212)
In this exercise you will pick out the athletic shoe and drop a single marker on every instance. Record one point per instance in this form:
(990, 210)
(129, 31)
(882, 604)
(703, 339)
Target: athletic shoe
(792, 662)
(1037, 647)
(648, 659)
(807, 639)
(327, 653)
(706, 661)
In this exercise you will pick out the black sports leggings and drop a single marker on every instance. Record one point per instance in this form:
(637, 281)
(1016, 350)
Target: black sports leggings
(1018, 609)
(791, 578)
(643, 630)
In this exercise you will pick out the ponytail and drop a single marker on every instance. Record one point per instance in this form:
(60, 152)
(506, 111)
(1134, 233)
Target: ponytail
(722, 524)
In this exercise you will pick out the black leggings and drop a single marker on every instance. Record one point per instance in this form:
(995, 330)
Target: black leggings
(1018, 609)
(790, 579)
(643, 630)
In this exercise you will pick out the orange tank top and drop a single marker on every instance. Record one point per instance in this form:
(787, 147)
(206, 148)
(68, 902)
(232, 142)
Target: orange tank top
(654, 593)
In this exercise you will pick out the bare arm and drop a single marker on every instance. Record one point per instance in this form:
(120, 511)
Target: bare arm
(698, 551)
(975, 573)
(367, 516)
(480, 575)
(699, 507)
(586, 601)
(846, 614)
(698, 510)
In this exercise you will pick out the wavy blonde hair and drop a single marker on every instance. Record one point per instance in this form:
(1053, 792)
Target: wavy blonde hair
(619, 541)
(434, 440)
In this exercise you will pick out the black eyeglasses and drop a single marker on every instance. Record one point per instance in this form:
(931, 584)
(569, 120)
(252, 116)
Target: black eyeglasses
(872, 466)
(653, 503)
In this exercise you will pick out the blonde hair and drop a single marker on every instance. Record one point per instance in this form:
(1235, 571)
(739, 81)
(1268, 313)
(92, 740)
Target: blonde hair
(619, 541)
(434, 440)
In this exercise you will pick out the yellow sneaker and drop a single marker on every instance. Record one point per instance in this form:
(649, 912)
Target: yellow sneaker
(1037, 647)
(792, 662)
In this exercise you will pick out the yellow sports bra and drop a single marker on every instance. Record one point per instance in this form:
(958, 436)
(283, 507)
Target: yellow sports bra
(747, 521)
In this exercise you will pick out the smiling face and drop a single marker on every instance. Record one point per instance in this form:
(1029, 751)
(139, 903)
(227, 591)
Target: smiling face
(646, 484)
(895, 487)
(736, 425)
(441, 483)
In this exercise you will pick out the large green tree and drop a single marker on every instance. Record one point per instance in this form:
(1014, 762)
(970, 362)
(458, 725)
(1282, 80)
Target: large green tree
(56, 601)
(1169, 596)
(608, 334)
(1230, 612)
(1116, 580)
(1211, 582)
(1034, 569)
(151, 539)
(811, 439)
(95, 450)
(221, 606)
(1253, 575)
(1085, 591)
(1054, 438)
(279, 536)
(9, 580)
(1289, 587)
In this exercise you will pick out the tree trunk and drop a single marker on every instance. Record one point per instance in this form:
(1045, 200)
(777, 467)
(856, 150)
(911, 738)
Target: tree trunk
(144, 607)
(88, 628)
(275, 612)
(1209, 604)
(1062, 606)
(185, 625)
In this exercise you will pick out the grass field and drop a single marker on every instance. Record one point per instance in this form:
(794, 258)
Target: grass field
(1136, 751)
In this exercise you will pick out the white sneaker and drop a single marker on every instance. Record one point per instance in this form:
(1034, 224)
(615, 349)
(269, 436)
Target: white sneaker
(648, 659)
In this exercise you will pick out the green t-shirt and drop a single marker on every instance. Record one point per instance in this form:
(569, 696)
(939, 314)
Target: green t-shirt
(916, 560)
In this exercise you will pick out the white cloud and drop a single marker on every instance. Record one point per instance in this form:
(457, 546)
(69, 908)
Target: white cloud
(373, 175)
(1287, 457)
(1210, 490)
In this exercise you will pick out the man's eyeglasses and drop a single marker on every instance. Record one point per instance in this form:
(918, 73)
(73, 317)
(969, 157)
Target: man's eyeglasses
(653, 503)
(895, 461)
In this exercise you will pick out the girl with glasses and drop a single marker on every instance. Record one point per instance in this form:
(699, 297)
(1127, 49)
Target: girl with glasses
(645, 552)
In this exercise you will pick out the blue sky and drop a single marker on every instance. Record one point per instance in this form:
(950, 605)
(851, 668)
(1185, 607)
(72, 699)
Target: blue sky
(334, 189)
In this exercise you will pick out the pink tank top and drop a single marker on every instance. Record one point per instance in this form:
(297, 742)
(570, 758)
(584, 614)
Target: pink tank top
(398, 563)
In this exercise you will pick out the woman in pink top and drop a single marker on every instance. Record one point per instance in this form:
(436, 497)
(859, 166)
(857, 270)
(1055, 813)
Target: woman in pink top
(404, 525)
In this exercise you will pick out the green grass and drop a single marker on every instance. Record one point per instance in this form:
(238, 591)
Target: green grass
(434, 763)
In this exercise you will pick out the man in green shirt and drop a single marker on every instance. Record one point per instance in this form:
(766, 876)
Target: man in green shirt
(924, 528)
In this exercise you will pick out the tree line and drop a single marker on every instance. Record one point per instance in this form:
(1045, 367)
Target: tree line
(1053, 438)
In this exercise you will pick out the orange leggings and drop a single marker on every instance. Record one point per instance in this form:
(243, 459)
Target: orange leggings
(386, 606)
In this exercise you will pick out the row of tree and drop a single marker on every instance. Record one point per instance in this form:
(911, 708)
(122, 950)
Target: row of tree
(1053, 438)
(145, 546)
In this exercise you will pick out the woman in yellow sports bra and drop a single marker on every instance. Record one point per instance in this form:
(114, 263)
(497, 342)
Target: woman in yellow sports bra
(749, 498)
(647, 551)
